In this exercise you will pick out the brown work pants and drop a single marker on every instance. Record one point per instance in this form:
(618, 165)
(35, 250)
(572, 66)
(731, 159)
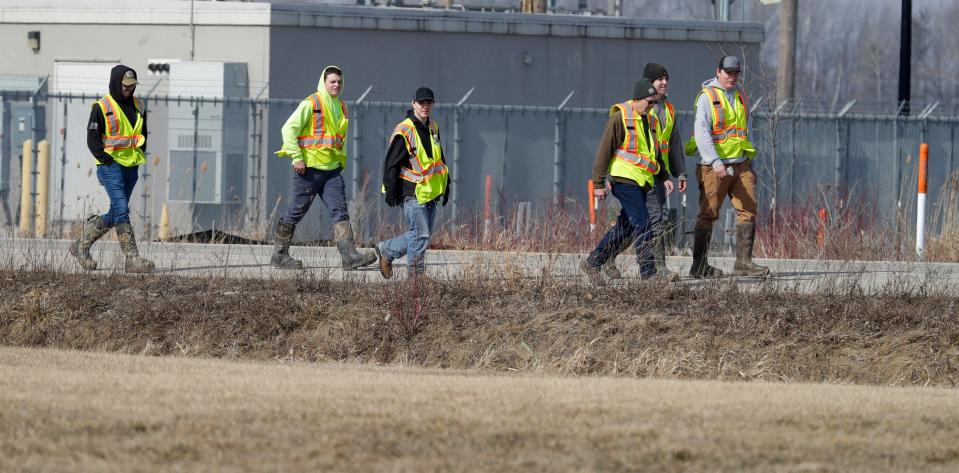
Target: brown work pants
(740, 187)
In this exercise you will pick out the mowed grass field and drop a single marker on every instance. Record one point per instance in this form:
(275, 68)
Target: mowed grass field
(87, 411)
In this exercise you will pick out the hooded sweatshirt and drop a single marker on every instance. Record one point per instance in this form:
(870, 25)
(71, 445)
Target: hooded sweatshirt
(97, 125)
(304, 113)
(704, 124)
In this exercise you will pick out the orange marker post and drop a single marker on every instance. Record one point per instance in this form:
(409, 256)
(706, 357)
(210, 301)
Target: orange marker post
(591, 188)
(821, 235)
(921, 202)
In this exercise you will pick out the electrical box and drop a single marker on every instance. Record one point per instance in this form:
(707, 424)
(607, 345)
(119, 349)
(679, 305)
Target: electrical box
(208, 138)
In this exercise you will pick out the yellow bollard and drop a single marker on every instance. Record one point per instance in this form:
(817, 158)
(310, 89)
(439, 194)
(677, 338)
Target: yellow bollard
(164, 223)
(26, 188)
(43, 187)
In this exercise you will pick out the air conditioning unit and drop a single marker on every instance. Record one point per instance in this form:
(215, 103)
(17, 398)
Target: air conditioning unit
(208, 138)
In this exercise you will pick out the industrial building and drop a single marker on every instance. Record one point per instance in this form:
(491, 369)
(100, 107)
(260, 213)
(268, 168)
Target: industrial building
(533, 90)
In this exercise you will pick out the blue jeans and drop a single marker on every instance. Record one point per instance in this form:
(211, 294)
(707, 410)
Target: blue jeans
(118, 180)
(303, 189)
(632, 225)
(413, 243)
(656, 209)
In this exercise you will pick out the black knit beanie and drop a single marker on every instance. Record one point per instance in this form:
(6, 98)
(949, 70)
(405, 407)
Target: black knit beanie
(654, 71)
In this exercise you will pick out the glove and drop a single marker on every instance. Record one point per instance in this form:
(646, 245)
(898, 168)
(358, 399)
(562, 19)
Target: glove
(393, 200)
(105, 159)
(446, 196)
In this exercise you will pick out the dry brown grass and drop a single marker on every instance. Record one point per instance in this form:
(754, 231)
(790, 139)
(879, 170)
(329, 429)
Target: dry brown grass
(504, 324)
(74, 411)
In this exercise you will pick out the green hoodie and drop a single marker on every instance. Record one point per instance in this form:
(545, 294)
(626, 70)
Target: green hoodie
(298, 125)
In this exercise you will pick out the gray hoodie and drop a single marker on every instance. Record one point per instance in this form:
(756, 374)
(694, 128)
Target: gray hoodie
(704, 124)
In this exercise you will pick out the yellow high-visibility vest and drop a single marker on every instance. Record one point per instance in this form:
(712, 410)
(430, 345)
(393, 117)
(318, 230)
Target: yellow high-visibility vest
(664, 129)
(121, 140)
(635, 159)
(321, 140)
(429, 174)
(729, 132)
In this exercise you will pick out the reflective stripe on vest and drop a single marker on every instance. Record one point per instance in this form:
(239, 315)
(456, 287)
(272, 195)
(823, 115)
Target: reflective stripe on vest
(722, 129)
(319, 138)
(629, 151)
(429, 173)
(663, 127)
(112, 139)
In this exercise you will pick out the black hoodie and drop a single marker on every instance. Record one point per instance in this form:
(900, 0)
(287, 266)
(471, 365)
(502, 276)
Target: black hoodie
(399, 157)
(97, 125)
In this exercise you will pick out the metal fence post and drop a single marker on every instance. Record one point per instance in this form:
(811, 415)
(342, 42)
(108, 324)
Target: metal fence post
(558, 149)
(841, 146)
(357, 139)
(457, 146)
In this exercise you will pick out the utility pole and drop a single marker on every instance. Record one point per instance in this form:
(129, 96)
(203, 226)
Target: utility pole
(786, 89)
(905, 57)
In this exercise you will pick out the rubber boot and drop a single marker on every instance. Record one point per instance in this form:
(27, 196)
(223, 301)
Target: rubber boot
(745, 237)
(659, 259)
(281, 248)
(701, 268)
(128, 243)
(93, 230)
(352, 259)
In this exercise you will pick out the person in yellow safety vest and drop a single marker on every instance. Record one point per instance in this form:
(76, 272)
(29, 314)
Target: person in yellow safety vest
(315, 138)
(627, 154)
(670, 158)
(116, 136)
(414, 176)
(721, 137)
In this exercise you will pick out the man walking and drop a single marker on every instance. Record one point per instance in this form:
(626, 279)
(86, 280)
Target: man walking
(721, 136)
(414, 176)
(627, 154)
(670, 158)
(314, 137)
(116, 136)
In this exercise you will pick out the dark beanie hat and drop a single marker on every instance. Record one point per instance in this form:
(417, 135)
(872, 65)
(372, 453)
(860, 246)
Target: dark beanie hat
(643, 89)
(654, 71)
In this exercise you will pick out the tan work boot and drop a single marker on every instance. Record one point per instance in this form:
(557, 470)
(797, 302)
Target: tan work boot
(386, 266)
(128, 243)
(701, 268)
(283, 237)
(352, 259)
(592, 272)
(745, 238)
(93, 230)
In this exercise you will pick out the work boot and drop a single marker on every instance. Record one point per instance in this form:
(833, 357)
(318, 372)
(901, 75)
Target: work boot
(745, 237)
(386, 266)
(128, 243)
(352, 259)
(610, 269)
(659, 259)
(701, 268)
(592, 272)
(281, 248)
(93, 230)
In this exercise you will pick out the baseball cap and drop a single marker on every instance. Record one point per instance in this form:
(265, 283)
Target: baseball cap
(730, 64)
(643, 89)
(423, 93)
(129, 77)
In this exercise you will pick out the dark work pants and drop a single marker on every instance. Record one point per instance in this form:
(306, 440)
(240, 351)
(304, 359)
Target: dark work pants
(632, 225)
(328, 185)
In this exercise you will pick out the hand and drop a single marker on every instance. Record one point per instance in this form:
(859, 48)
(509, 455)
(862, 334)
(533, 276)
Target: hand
(668, 184)
(392, 199)
(446, 197)
(299, 167)
(105, 159)
(720, 170)
(682, 185)
(600, 193)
